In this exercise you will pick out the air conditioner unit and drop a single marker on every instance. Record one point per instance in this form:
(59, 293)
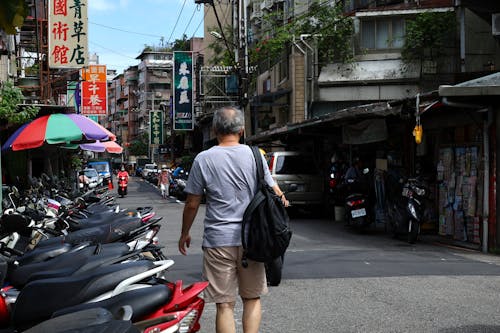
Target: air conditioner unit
(495, 24)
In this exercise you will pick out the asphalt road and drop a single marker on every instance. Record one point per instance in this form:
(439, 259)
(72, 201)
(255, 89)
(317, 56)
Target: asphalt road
(337, 280)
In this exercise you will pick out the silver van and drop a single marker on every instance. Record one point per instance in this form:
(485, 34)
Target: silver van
(299, 168)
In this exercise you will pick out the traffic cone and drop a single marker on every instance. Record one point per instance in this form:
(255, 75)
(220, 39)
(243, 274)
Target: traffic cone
(110, 185)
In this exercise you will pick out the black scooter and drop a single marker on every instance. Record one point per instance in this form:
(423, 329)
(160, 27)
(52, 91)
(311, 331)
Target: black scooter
(407, 211)
(357, 203)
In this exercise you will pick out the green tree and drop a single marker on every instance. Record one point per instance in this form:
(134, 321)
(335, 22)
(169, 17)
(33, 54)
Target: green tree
(12, 15)
(181, 44)
(427, 34)
(221, 54)
(139, 146)
(325, 22)
(11, 107)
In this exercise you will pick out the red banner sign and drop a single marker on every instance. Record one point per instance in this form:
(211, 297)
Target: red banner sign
(94, 99)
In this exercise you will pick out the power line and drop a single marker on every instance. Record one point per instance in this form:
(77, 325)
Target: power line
(187, 25)
(204, 15)
(177, 21)
(123, 30)
(111, 50)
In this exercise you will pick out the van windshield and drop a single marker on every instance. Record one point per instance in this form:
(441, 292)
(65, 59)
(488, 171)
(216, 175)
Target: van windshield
(293, 165)
(100, 167)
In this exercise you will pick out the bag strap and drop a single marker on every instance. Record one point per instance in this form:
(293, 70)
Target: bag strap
(258, 162)
(259, 197)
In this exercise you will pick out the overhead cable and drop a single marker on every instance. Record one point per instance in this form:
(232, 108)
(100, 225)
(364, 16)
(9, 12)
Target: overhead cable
(122, 30)
(177, 21)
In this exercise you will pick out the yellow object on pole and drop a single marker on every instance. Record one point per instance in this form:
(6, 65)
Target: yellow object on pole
(417, 133)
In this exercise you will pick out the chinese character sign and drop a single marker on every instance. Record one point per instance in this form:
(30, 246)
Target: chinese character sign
(183, 91)
(155, 127)
(68, 22)
(94, 90)
(94, 73)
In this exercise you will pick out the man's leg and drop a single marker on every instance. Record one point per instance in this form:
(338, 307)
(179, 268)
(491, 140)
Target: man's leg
(224, 319)
(252, 314)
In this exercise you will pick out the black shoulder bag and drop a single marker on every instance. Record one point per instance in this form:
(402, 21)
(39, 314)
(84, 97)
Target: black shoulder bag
(265, 232)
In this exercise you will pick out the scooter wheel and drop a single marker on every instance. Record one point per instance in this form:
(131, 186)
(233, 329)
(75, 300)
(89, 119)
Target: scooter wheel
(412, 231)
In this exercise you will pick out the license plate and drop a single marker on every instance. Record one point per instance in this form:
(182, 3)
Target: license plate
(358, 212)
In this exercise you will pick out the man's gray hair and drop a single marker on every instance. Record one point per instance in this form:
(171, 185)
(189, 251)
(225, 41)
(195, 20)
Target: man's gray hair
(228, 120)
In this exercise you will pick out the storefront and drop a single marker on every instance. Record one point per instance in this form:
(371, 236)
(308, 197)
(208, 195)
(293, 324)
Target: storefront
(466, 135)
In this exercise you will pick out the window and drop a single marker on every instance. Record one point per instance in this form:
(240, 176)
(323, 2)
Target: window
(382, 34)
(295, 165)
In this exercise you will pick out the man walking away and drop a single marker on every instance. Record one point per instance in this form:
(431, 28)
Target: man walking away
(226, 174)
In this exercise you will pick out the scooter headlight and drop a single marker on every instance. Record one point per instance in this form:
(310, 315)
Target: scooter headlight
(412, 210)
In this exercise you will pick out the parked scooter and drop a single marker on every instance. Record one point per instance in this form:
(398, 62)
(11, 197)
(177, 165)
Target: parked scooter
(406, 211)
(155, 303)
(357, 203)
(178, 184)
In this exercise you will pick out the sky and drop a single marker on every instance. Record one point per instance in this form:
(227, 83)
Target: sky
(119, 29)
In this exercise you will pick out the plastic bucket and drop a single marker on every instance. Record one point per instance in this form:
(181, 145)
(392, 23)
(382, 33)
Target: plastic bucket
(339, 213)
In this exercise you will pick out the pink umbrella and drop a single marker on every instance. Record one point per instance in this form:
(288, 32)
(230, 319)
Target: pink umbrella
(100, 147)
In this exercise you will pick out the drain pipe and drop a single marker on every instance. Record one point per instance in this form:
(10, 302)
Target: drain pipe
(304, 52)
(486, 189)
(307, 72)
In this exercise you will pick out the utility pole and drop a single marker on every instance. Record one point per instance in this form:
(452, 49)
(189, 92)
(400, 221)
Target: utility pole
(241, 52)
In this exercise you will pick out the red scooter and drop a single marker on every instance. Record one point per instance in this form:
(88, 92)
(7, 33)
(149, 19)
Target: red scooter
(122, 186)
(155, 304)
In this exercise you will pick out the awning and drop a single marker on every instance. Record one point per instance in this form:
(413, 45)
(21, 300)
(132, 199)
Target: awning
(476, 94)
(334, 119)
(488, 85)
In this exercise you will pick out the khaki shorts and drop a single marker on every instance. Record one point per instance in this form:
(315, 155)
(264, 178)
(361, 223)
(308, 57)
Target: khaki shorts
(222, 269)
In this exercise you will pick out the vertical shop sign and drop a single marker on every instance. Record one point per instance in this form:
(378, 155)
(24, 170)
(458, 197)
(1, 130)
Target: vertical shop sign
(183, 91)
(94, 90)
(155, 127)
(68, 43)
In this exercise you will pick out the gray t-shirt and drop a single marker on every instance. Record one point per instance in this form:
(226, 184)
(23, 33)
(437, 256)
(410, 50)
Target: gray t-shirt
(229, 178)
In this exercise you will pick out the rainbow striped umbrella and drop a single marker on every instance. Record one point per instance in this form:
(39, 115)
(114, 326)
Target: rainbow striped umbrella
(57, 129)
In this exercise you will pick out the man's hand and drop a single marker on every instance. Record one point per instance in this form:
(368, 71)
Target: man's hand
(184, 243)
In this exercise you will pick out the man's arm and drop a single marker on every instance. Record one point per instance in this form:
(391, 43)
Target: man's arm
(280, 194)
(190, 209)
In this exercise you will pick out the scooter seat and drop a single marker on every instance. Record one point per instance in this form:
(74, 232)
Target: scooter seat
(39, 299)
(39, 254)
(110, 232)
(353, 196)
(95, 220)
(85, 321)
(143, 301)
(65, 264)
